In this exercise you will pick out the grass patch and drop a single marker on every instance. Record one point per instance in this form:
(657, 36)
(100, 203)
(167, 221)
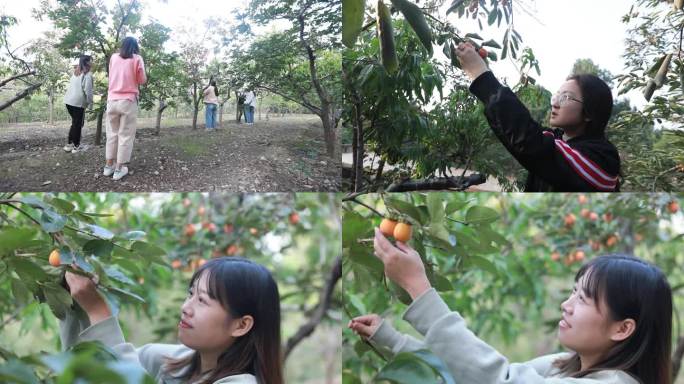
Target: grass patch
(189, 146)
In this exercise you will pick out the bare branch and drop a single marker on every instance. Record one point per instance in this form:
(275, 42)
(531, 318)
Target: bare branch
(323, 306)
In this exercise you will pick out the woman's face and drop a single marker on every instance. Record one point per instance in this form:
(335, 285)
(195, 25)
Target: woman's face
(566, 106)
(586, 326)
(205, 325)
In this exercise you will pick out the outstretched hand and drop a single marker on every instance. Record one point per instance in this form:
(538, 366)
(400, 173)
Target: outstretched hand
(471, 62)
(83, 290)
(402, 265)
(366, 325)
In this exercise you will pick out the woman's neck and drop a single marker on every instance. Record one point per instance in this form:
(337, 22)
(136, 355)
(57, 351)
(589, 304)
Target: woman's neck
(571, 133)
(207, 361)
(587, 361)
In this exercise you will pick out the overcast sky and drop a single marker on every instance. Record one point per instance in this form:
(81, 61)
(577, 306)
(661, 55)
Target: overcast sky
(171, 13)
(559, 32)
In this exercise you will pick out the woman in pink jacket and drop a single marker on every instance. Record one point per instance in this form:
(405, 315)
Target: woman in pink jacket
(126, 73)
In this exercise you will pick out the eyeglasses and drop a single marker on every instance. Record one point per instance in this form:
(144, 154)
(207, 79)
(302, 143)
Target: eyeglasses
(563, 99)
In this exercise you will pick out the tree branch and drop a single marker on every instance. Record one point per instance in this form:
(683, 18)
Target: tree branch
(323, 306)
(677, 357)
(19, 96)
(19, 76)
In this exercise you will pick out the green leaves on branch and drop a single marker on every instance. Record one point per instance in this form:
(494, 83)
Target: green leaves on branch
(54, 226)
(415, 367)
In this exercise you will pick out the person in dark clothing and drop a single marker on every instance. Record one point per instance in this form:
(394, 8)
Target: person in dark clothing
(572, 157)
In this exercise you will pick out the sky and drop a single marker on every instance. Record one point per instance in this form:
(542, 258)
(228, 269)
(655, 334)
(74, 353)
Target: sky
(559, 32)
(171, 13)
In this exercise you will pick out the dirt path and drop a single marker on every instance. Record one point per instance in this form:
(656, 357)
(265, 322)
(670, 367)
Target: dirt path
(282, 154)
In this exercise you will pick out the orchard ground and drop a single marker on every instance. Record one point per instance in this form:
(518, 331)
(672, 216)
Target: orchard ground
(280, 154)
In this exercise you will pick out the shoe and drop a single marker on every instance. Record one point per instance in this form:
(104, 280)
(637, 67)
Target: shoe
(119, 173)
(68, 148)
(76, 150)
(108, 171)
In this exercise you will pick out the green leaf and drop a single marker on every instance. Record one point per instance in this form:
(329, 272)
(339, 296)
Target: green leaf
(406, 368)
(435, 205)
(14, 371)
(58, 299)
(99, 248)
(363, 255)
(355, 227)
(65, 207)
(491, 43)
(100, 232)
(52, 221)
(12, 238)
(20, 292)
(114, 273)
(482, 263)
(481, 215)
(27, 270)
(34, 202)
(440, 282)
(125, 294)
(133, 235)
(492, 17)
(357, 304)
(454, 205)
(406, 209)
(149, 252)
(473, 36)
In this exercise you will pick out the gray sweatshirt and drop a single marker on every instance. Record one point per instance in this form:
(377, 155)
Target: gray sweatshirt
(80, 91)
(76, 328)
(469, 359)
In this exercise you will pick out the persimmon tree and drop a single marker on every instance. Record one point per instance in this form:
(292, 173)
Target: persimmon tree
(498, 259)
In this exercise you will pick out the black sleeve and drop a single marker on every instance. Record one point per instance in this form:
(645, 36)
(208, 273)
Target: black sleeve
(534, 147)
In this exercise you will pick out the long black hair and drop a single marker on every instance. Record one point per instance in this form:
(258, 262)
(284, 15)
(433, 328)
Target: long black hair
(631, 289)
(212, 82)
(597, 102)
(243, 288)
(84, 63)
(129, 47)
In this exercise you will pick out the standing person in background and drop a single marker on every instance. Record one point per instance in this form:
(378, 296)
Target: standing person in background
(78, 97)
(240, 106)
(126, 73)
(210, 103)
(250, 104)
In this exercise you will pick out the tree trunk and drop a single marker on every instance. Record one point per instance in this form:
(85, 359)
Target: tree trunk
(358, 150)
(328, 118)
(98, 129)
(51, 101)
(220, 122)
(194, 116)
(160, 110)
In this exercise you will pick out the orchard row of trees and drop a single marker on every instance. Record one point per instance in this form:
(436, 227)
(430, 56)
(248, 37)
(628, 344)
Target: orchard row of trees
(409, 105)
(299, 63)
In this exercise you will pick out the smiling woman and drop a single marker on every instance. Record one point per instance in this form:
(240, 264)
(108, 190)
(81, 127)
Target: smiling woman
(229, 327)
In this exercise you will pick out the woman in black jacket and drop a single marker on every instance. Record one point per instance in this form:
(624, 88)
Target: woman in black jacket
(575, 156)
